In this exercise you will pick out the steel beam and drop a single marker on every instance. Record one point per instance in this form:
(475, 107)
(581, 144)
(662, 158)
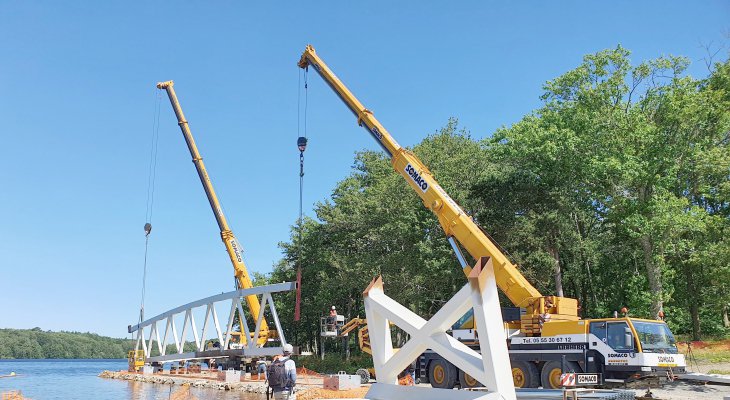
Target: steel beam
(250, 346)
(258, 290)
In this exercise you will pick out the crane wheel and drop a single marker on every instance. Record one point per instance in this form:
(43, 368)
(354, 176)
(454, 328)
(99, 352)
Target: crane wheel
(525, 375)
(442, 374)
(551, 371)
(364, 375)
(467, 381)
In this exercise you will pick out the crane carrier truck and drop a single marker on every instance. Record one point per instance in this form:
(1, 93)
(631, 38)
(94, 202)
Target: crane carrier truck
(545, 335)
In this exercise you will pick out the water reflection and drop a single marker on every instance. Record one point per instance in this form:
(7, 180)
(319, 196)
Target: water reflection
(77, 379)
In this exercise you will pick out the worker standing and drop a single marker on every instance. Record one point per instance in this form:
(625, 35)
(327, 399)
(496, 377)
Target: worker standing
(282, 375)
(332, 320)
(261, 369)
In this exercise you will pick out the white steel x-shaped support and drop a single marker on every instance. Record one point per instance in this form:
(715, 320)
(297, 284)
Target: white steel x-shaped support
(491, 367)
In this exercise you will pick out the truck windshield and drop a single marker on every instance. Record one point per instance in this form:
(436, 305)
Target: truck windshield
(655, 337)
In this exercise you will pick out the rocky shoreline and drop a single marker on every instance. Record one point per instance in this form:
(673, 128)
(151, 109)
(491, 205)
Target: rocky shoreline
(249, 387)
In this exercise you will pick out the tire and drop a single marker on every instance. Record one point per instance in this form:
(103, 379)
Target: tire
(442, 374)
(550, 374)
(467, 382)
(364, 375)
(525, 375)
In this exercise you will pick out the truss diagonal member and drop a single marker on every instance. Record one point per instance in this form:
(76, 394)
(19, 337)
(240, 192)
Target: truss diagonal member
(275, 316)
(259, 319)
(229, 325)
(198, 341)
(174, 335)
(141, 339)
(485, 300)
(206, 318)
(183, 334)
(379, 329)
(460, 355)
(164, 337)
(403, 357)
(450, 312)
(491, 367)
(157, 336)
(217, 324)
(404, 318)
(246, 334)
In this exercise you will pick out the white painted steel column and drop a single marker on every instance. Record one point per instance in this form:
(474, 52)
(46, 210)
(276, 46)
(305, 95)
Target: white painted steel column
(379, 330)
(492, 339)
(491, 367)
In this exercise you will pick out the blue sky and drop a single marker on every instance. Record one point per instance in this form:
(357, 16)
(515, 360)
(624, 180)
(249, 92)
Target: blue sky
(77, 102)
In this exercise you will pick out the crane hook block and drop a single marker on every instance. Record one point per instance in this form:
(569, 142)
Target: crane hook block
(302, 143)
(147, 229)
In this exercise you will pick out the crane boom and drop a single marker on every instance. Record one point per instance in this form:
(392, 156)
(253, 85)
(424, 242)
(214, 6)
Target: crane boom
(235, 252)
(456, 223)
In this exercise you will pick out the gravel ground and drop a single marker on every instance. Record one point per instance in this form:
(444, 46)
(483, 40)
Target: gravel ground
(682, 391)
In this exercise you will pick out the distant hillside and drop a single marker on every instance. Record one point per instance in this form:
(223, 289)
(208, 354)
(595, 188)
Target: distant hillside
(36, 343)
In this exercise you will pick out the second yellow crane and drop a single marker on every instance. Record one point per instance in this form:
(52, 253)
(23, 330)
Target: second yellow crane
(235, 252)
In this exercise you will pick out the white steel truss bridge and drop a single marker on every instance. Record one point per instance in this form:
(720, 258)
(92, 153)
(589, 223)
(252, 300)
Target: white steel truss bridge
(248, 346)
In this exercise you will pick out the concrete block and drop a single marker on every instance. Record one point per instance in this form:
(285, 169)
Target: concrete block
(341, 382)
(232, 376)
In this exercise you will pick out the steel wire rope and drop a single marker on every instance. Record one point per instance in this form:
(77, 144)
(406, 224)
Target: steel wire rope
(151, 177)
(302, 145)
(301, 168)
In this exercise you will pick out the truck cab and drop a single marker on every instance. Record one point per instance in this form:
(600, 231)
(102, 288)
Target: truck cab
(614, 350)
(632, 348)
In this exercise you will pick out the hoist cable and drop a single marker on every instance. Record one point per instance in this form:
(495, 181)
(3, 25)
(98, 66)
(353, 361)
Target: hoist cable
(301, 168)
(302, 145)
(150, 195)
(306, 98)
(153, 158)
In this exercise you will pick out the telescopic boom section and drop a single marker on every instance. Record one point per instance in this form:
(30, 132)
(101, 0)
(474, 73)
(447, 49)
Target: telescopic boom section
(235, 252)
(455, 222)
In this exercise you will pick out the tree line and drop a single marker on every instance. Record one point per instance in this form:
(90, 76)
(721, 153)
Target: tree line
(36, 343)
(615, 191)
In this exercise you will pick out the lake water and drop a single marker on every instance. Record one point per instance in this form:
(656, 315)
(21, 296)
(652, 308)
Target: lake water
(77, 379)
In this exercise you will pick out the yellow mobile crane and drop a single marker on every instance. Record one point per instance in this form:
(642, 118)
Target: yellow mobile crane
(549, 337)
(234, 249)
